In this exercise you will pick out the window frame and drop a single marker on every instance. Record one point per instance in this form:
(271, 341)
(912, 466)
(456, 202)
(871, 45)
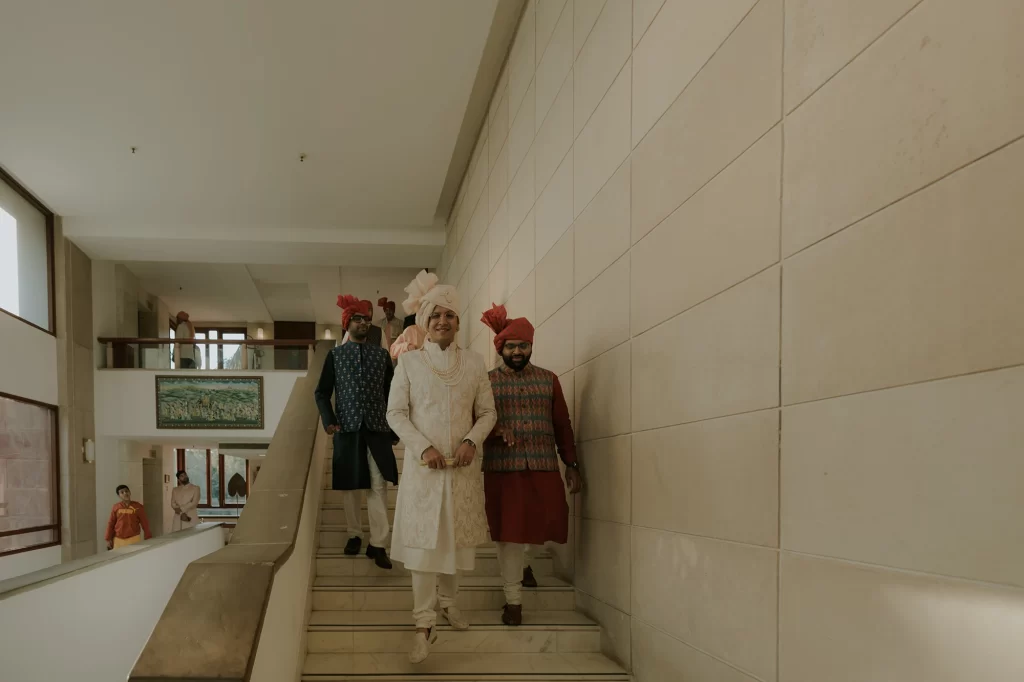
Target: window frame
(207, 504)
(219, 347)
(55, 482)
(51, 279)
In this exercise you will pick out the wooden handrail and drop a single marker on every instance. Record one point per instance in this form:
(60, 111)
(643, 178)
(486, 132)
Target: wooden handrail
(211, 625)
(211, 342)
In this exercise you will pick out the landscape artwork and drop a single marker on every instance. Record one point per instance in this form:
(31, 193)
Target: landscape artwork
(191, 402)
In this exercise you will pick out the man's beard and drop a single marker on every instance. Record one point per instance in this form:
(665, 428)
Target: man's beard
(517, 365)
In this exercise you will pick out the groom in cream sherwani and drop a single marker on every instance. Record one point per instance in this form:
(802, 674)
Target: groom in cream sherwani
(439, 517)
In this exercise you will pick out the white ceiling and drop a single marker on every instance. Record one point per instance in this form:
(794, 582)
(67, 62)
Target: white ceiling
(220, 99)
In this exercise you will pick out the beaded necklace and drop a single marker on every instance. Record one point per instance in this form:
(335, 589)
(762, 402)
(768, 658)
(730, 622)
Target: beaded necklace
(451, 376)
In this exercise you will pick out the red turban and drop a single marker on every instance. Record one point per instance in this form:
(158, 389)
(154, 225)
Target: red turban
(350, 305)
(505, 329)
(385, 304)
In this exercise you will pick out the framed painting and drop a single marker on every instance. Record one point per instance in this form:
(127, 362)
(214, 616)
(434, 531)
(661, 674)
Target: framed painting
(215, 402)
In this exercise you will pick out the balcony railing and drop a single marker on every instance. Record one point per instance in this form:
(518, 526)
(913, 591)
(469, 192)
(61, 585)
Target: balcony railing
(126, 353)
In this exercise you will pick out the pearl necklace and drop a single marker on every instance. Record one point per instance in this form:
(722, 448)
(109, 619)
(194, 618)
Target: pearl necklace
(450, 376)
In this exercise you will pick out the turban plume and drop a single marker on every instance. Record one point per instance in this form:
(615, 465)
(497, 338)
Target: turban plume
(505, 329)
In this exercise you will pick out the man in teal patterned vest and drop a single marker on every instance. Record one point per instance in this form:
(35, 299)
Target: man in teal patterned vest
(358, 374)
(523, 489)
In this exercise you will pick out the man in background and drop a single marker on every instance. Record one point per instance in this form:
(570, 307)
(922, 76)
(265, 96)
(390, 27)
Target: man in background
(186, 351)
(358, 375)
(127, 521)
(184, 503)
(391, 325)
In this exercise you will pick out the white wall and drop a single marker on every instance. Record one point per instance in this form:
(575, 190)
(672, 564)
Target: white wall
(19, 564)
(28, 363)
(106, 614)
(126, 405)
(373, 283)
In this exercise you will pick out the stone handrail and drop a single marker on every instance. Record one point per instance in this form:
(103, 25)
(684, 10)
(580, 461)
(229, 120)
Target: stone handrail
(211, 626)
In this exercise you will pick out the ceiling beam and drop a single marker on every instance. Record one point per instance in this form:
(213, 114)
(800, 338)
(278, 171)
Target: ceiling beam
(495, 53)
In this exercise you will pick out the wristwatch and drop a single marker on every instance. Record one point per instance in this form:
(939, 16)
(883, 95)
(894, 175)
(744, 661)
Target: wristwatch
(466, 440)
(574, 465)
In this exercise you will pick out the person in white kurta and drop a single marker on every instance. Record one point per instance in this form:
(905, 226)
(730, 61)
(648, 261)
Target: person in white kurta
(184, 503)
(442, 408)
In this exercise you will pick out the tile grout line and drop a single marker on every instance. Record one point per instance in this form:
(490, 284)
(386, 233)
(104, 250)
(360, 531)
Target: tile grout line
(909, 194)
(905, 571)
(851, 59)
(695, 75)
(721, 660)
(636, 43)
(920, 382)
(708, 181)
(778, 422)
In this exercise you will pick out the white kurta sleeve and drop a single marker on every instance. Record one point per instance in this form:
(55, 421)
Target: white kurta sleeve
(483, 409)
(398, 412)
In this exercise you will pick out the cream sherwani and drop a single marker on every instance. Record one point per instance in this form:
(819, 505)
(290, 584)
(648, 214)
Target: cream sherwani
(185, 498)
(439, 515)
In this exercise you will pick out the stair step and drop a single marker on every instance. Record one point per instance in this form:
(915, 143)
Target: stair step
(392, 632)
(390, 620)
(388, 582)
(334, 537)
(335, 516)
(486, 565)
(336, 498)
(399, 460)
(394, 593)
(327, 480)
(546, 667)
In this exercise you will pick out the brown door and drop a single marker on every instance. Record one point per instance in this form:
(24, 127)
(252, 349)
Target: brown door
(297, 357)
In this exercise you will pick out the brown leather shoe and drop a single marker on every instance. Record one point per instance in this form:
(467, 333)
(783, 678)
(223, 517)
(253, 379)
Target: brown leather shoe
(512, 614)
(529, 580)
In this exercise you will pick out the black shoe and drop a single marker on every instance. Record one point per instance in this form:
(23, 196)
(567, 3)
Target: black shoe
(353, 545)
(528, 578)
(379, 556)
(512, 615)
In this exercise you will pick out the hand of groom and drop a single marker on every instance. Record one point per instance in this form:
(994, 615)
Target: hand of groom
(433, 458)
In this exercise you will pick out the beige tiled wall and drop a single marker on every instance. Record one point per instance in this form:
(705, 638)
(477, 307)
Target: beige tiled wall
(773, 249)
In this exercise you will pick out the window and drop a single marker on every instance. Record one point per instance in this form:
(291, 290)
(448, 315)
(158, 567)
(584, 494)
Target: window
(223, 480)
(212, 356)
(29, 490)
(26, 256)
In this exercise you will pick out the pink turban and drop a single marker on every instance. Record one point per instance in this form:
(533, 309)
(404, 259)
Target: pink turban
(410, 339)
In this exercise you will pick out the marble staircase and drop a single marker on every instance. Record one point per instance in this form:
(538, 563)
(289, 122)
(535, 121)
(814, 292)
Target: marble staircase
(361, 629)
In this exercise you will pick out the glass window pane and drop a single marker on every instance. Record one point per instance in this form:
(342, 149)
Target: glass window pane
(214, 479)
(24, 259)
(195, 467)
(236, 487)
(233, 353)
(27, 459)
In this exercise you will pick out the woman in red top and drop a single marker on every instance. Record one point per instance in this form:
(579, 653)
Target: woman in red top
(127, 521)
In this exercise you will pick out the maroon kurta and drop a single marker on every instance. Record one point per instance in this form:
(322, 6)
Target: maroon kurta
(529, 507)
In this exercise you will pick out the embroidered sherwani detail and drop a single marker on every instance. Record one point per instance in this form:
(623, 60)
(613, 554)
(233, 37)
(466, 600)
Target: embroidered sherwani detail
(440, 517)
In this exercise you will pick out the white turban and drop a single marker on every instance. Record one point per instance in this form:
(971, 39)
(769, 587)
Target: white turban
(425, 294)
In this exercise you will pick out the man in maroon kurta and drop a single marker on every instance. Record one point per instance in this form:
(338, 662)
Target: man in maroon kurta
(523, 490)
